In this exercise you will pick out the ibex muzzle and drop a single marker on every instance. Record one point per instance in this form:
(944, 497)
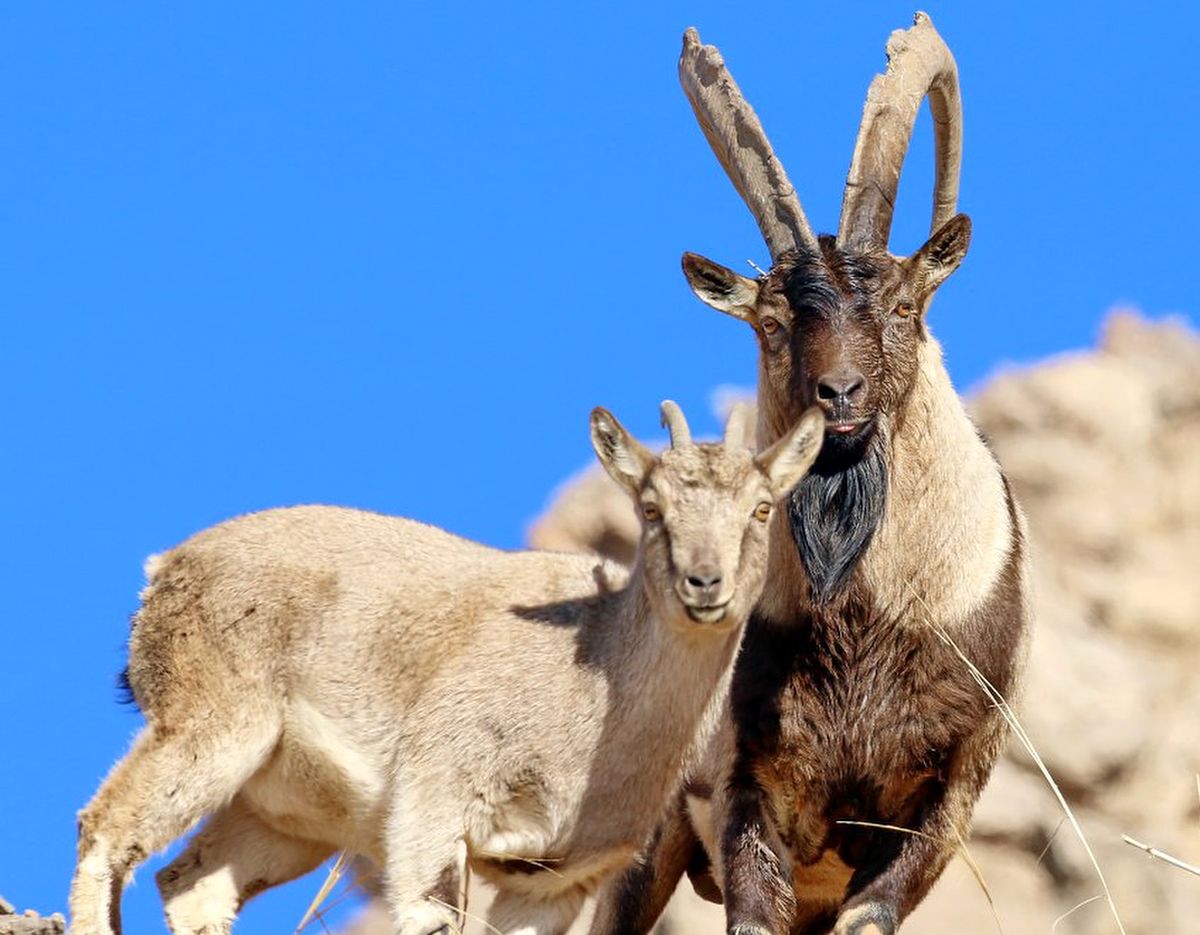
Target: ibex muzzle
(701, 588)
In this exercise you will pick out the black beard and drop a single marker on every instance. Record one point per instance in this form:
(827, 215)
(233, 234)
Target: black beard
(840, 451)
(836, 508)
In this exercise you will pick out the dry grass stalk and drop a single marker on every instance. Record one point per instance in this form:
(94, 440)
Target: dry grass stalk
(541, 863)
(1090, 899)
(968, 859)
(977, 872)
(331, 879)
(1161, 855)
(1053, 834)
(1019, 730)
(350, 890)
(464, 914)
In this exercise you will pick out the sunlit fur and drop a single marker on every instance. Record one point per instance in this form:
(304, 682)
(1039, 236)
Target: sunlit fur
(815, 314)
(838, 311)
(317, 678)
(846, 702)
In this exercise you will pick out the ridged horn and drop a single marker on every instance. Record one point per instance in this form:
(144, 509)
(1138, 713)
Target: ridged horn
(737, 138)
(919, 65)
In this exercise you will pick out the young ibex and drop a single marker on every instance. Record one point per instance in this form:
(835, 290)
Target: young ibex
(317, 678)
(850, 708)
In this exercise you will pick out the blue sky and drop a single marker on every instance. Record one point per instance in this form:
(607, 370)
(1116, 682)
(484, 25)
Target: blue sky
(390, 256)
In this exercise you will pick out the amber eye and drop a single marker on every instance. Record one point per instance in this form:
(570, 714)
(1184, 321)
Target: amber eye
(769, 326)
(762, 512)
(650, 513)
(905, 309)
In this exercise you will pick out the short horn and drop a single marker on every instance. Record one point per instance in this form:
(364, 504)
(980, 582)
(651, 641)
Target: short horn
(673, 420)
(735, 426)
(919, 65)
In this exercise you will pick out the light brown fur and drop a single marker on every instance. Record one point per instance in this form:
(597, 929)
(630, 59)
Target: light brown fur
(951, 564)
(318, 678)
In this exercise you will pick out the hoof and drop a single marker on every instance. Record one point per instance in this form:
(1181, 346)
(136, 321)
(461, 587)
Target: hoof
(871, 919)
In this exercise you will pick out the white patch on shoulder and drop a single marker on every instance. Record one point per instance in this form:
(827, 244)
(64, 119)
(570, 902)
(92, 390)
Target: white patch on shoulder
(951, 555)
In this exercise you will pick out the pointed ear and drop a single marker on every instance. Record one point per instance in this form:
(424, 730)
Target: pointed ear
(623, 456)
(789, 459)
(940, 256)
(721, 287)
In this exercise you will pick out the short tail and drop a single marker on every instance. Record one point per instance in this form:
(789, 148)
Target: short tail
(125, 695)
(151, 568)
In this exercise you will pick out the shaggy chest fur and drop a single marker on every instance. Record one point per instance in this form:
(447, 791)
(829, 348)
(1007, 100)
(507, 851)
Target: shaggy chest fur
(847, 717)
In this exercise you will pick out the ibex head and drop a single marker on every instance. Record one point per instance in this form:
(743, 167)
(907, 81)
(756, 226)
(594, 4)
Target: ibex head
(705, 511)
(840, 320)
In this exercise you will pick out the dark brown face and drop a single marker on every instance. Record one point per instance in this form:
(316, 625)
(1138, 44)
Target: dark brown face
(836, 330)
(842, 333)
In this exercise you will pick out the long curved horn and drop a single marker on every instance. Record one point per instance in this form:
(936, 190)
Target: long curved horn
(919, 64)
(672, 418)
(735, 426)
(736, 136)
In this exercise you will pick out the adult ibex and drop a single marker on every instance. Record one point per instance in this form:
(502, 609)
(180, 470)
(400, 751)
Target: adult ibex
(317, 679)
(850, 706)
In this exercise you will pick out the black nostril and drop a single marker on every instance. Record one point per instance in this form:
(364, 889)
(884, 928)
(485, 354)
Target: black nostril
(708, 581)
(842, 385)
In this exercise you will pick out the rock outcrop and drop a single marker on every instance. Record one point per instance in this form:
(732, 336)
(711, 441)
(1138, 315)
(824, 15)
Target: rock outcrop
(29, 922)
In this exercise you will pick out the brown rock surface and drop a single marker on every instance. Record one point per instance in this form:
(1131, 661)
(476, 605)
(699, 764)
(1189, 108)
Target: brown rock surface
(28, 922)
(1103, 450)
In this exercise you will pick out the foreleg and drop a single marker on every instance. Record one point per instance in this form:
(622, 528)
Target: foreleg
(756, 874)
(878, 900)
(426, 860)
(630, 902)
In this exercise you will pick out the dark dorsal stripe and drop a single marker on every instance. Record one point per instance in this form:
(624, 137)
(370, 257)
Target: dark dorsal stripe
(834, 512)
